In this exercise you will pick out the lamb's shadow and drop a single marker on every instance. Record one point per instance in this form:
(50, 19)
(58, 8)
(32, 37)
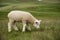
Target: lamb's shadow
(35, 30)
(32, 30)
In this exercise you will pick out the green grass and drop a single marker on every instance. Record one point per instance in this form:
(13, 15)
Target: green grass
(48, 13)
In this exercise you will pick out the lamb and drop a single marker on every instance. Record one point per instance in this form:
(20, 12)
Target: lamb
(24, 17)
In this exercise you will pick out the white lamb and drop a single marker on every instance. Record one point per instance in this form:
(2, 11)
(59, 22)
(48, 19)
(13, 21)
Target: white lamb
(24, 17)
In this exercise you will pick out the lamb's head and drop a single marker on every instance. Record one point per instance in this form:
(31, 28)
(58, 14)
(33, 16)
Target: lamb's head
(37, 23)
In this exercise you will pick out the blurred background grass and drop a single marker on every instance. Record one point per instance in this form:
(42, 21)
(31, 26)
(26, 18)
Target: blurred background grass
(46, 10)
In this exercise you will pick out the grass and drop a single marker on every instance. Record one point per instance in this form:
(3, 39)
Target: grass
(49, 28)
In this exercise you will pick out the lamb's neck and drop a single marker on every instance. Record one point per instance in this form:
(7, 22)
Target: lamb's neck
(33, 19)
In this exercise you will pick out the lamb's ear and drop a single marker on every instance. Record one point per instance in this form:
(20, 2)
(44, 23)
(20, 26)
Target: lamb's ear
(40, 20)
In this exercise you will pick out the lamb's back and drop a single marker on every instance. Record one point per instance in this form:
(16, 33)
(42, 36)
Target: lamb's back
(19, 15)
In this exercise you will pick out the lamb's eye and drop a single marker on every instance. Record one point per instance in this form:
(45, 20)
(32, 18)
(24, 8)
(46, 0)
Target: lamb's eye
(37, 23)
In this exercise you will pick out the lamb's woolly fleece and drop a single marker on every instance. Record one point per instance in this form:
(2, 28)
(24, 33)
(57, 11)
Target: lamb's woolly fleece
(21, 16)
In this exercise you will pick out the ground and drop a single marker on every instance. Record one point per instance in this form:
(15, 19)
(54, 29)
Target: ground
(49, 13)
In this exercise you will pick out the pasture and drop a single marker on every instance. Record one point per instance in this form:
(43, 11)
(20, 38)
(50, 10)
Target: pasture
(49, 13)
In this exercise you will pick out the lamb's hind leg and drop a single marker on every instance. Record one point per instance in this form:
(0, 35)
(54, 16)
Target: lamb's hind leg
(10, 25)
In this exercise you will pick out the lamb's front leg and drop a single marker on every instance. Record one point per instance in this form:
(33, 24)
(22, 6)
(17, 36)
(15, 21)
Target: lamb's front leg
(24, 26)
(28, 27)
(15, 27)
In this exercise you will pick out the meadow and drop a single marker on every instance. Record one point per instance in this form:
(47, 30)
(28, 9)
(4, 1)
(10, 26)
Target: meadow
(49, 13)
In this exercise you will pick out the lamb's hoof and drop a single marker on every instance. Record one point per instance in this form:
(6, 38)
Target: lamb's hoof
(9, 30)
(16, 29)
(29, 29)
(23, 31)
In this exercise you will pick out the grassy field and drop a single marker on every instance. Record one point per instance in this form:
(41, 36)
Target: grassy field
(49, 13)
